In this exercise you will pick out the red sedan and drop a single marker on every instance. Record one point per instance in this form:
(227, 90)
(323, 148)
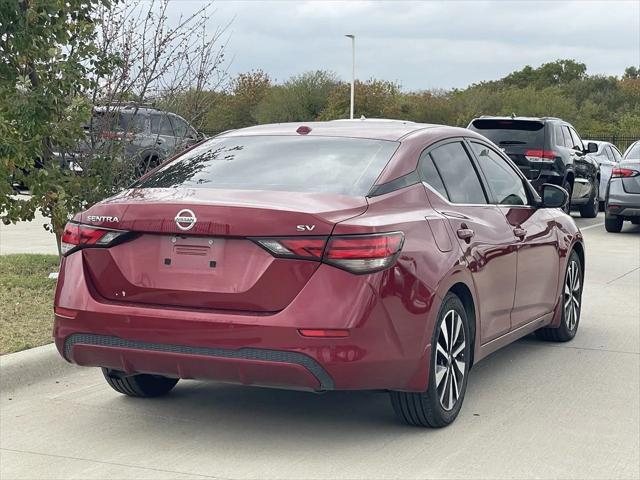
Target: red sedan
(346, 255)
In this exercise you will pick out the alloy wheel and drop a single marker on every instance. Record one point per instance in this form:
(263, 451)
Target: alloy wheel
(450, 367)
(572, 296)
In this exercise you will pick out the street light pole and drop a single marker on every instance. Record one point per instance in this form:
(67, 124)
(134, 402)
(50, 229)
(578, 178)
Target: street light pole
(353, 70)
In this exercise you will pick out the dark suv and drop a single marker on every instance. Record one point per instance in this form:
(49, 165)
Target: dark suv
(548, 150)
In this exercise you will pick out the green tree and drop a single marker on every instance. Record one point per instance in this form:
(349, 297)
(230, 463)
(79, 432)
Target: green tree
(301, 98)
(49, 61)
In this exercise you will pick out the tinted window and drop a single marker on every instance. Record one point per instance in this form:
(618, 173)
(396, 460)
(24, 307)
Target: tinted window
(346, 166)
(117, 122)
(568, 141)
(430, 175)
(160, 125)
(511, 132)
(607, 151)
(617, 156)
(179, 126)
(504, 183)
(577, 142)
(458, 173)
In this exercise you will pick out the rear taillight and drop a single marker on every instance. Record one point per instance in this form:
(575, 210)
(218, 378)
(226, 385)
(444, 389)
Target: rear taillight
(77, 235)
(363, 253)
(540, 155)
(354, 253)
(624, 173)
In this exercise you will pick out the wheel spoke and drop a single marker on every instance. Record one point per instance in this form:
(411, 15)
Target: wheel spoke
(457, 351)
(441, 350)
(455, 391)
(461, 366)
(444, 387)
(458, 326)
(445, 333)
(440, 374)
(451, 377)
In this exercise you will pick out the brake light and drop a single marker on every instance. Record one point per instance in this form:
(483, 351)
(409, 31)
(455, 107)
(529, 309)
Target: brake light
(77, 235)
(540, 155)
(624, 173)
(296, 247)
(363, 253)
(354, 253)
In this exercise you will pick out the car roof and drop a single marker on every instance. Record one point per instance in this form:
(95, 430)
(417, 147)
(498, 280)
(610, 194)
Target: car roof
(372, 128)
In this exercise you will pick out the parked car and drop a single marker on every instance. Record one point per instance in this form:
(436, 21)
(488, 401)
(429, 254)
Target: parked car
(143, 134)
(623, 195)
(342, 255)
(607, 156)
(548, 150)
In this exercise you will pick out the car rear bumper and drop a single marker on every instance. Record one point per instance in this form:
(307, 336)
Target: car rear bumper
(265, 350)
(620, 202)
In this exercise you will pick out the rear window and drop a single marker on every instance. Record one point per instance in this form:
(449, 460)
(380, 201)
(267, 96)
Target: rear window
(118, 122)
(346, 166)
(511, 132)
(633, 152)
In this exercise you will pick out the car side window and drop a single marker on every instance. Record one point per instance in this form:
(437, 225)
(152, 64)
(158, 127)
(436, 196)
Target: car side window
(568, 141)
(458, 174)
(160, 125)
(429, 174)
(617, 156)
(559, 136)
(505, 184)
(577, 141)
(607, 151)
(180, 127)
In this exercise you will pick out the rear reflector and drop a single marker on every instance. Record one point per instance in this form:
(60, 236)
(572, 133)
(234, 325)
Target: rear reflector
(65, 312)
(624, 173)
(354, 253)
(540, 155)
(77, 235)
(305, 332)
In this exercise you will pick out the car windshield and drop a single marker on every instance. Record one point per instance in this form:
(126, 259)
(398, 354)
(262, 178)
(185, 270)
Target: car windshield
(347, 166)
(511, 132)
(633, 153)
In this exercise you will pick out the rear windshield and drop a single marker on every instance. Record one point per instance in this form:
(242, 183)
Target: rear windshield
(346, 166)
(117, 122)
(511, 132)
(633, 152)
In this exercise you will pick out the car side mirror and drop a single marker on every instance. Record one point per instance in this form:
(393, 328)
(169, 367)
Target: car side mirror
(592, 147)
(554, 196)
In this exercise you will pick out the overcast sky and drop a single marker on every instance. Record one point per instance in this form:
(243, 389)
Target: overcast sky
(426, 44)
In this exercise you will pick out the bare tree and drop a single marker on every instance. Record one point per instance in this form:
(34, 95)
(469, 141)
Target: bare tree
(173, 62)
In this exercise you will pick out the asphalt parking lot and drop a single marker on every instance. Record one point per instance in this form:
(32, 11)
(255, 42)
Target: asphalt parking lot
(533, 410)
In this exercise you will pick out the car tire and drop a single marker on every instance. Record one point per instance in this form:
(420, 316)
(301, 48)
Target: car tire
(571, 304)
(635, 221)
(613, 223)
(449, 370)
(141, 385)
(567, 186)
(590, 210)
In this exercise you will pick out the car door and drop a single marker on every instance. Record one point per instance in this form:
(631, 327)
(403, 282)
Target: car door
(163, 134)
(455, 191)
(585, 168)
(533, 236)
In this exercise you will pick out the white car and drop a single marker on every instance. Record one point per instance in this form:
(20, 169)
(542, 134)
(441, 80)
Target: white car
(607, 156)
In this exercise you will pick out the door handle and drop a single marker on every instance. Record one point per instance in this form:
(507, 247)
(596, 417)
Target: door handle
(465, 234)
(519, 232)
(159, 141)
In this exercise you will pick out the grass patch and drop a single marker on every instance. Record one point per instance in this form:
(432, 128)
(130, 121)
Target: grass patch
(26, 301)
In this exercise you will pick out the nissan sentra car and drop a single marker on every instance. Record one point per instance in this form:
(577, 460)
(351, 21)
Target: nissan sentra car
(340, 255)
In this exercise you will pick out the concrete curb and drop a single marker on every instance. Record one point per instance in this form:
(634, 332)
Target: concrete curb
(30, 366)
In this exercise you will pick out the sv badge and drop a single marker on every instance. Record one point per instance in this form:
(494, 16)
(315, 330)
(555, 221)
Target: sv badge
(305, 228)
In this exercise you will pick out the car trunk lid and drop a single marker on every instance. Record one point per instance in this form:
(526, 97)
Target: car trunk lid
(209, 262)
